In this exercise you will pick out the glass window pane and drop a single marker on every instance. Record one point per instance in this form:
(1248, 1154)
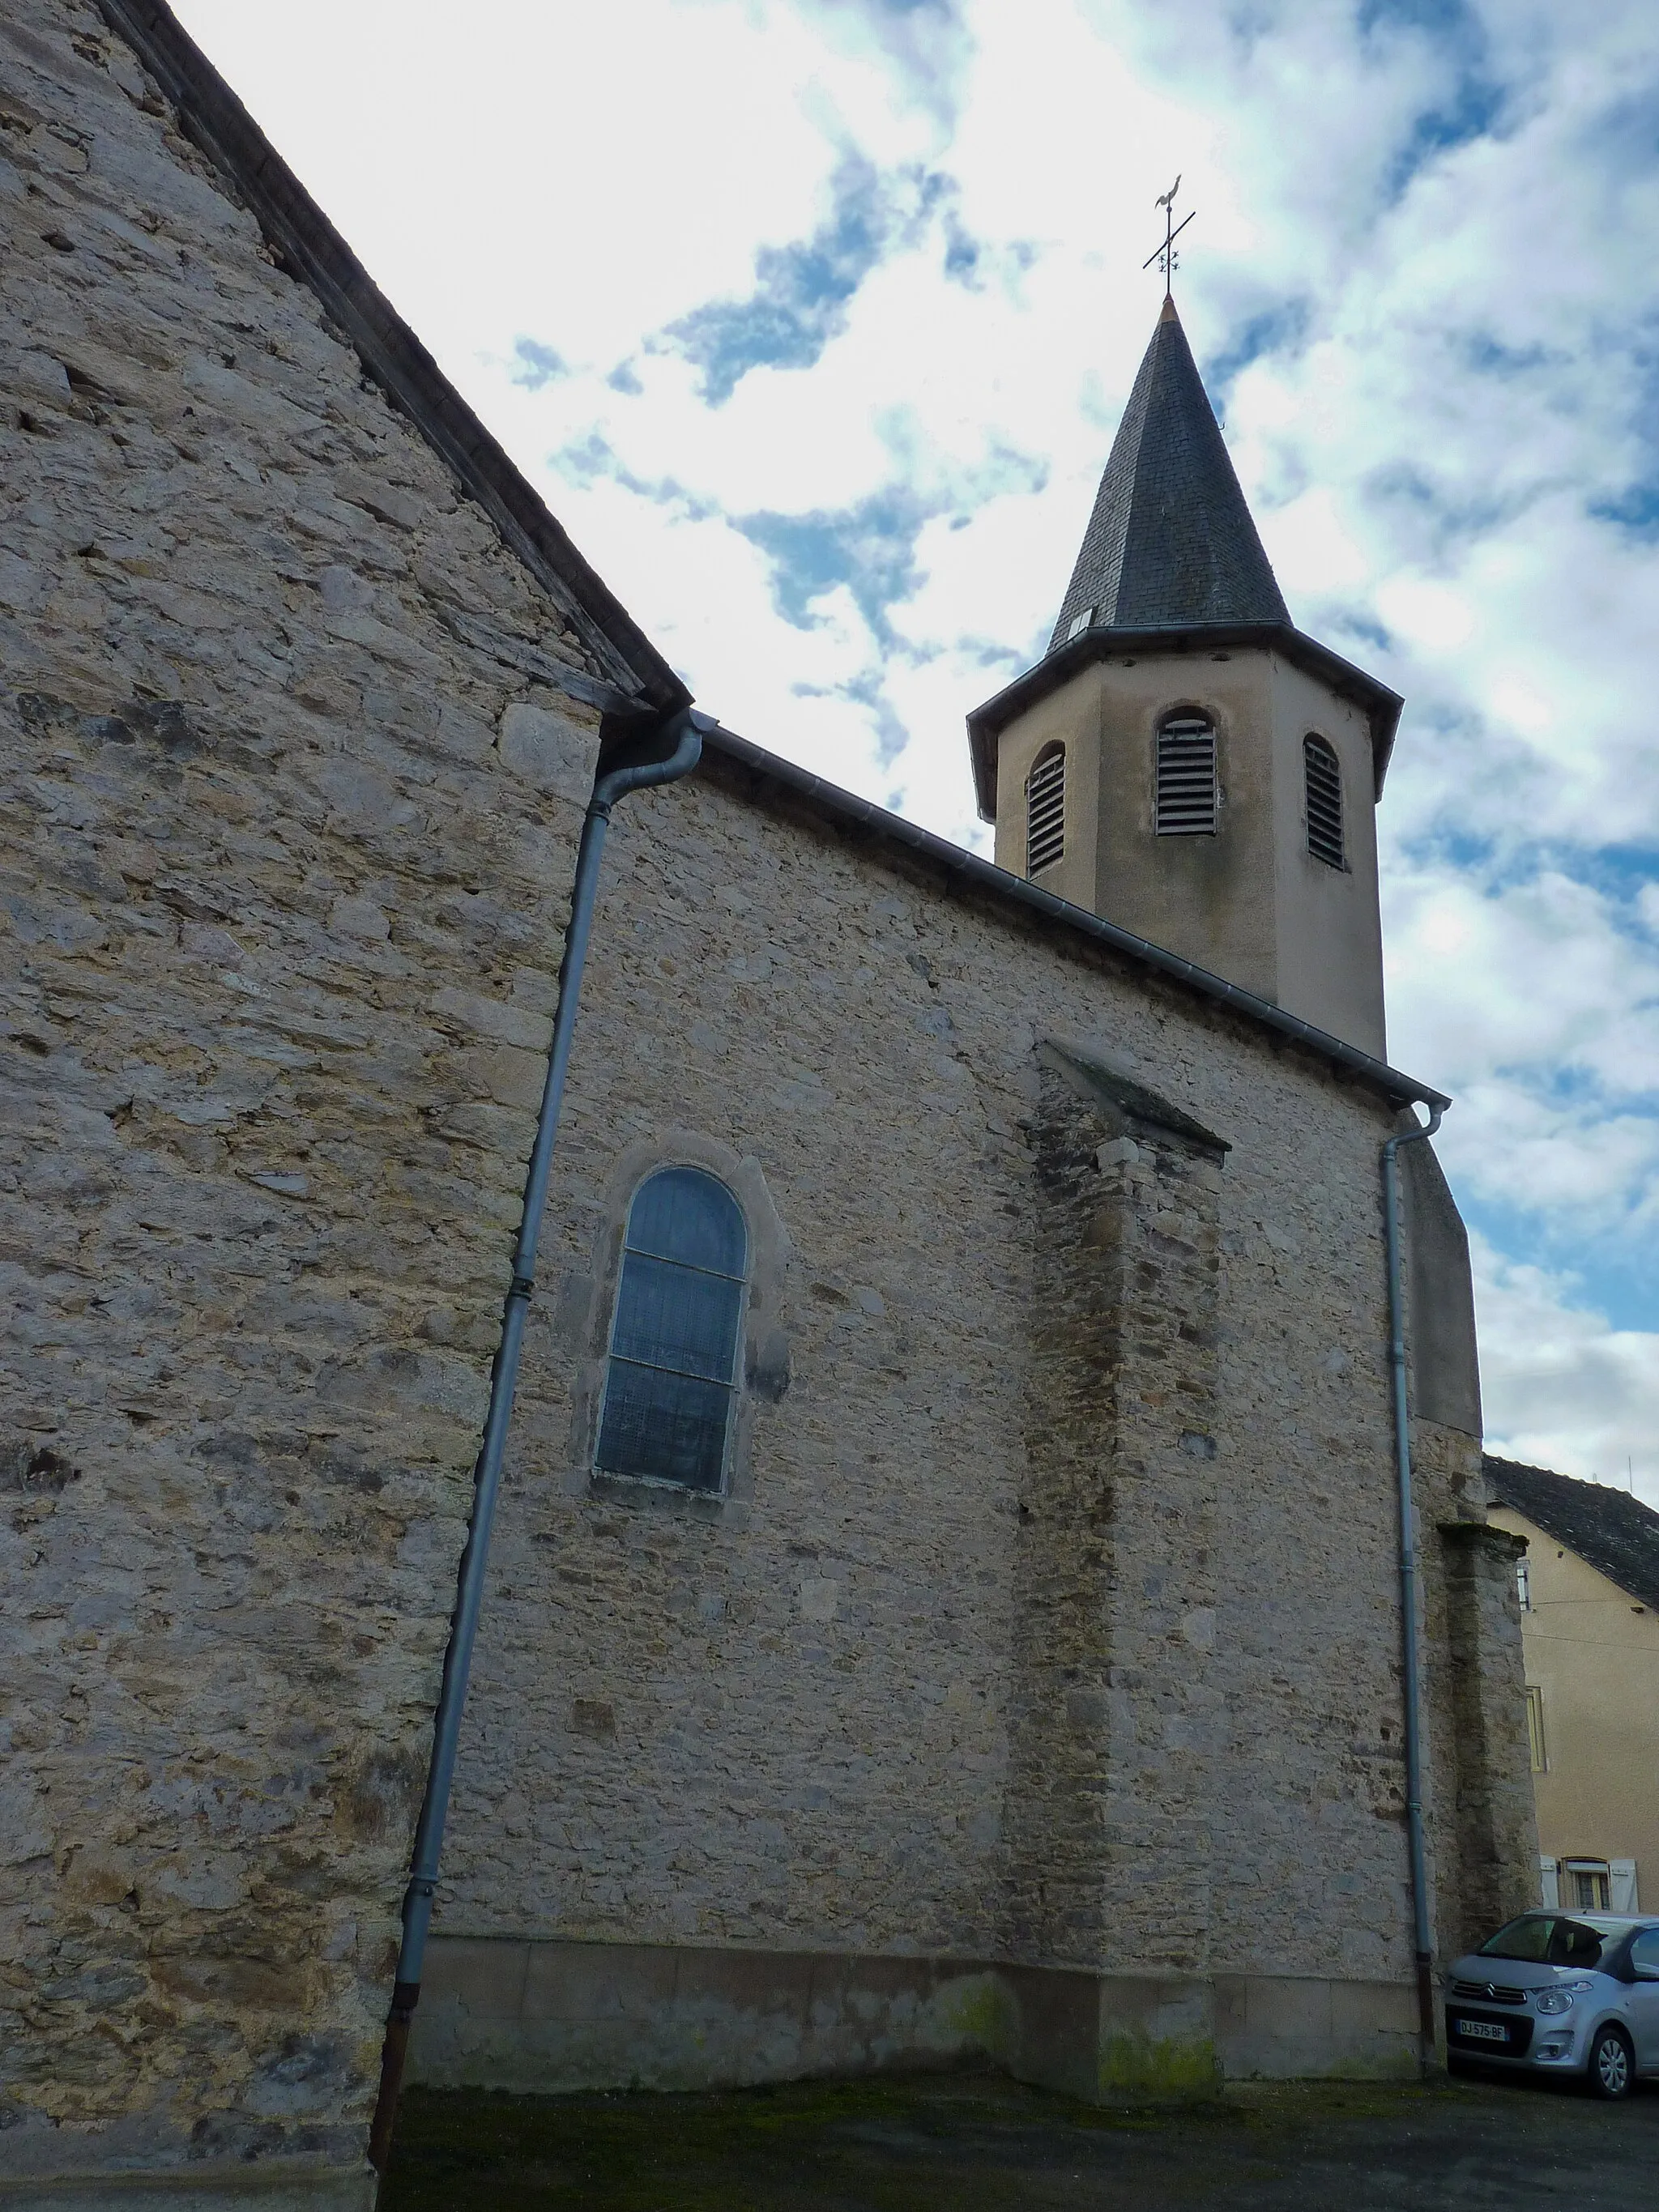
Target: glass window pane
(672, 1316)
(1526, 1938)
(670, 1426)
(680, 1213)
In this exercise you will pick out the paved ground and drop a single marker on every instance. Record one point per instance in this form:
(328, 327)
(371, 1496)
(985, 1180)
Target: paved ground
(976, 2143)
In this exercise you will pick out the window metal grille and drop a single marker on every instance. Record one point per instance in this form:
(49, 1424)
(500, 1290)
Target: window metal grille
(1324, 779)
(674, 1341)
(1186, 795)
(1045, 811)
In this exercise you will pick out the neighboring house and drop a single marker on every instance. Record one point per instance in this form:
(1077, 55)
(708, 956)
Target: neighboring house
(946, 1599)
(1588, 1588)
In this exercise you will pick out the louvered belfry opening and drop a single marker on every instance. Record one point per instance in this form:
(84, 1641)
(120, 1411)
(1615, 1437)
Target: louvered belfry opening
(1187, 793)
(1324, 777)
(1045, 810)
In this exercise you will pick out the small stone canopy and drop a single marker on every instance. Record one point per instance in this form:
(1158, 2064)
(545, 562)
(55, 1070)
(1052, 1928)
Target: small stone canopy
(1170, 543)
(1608, 1529)
(1098, 1079)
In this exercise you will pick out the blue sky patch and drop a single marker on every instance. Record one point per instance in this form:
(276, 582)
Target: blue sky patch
(871, 548)
(535, 364)
(802, 290)
(1271, 329)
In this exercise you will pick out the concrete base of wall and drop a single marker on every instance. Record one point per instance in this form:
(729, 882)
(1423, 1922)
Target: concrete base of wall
(502, 2013)
(281, 2185)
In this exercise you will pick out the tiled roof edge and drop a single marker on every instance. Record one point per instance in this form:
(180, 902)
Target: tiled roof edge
(313, 250)
(1609, 1529)
(967, 868)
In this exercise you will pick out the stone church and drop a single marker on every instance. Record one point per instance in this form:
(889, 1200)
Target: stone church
(946, 1596)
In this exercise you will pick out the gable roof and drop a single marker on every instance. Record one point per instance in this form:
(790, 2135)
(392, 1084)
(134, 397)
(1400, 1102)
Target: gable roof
(637, 679)
(1170, 543)
(1610, 1530)
(633, 676)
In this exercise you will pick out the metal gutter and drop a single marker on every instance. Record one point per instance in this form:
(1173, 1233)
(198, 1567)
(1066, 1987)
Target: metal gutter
(687, 729)
(968, 869)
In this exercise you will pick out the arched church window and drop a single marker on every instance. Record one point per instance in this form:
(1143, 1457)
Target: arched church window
(1045, 810)
(672, 1378)
(1187, 797)
(1324, 773)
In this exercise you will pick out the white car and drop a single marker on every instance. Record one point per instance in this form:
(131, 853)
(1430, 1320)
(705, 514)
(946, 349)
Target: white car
(1571, 1993)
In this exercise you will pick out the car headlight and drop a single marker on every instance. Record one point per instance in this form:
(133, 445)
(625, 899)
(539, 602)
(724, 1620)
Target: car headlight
(1560, 1999)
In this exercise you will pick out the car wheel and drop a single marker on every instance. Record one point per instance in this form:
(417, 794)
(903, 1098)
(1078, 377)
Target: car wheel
(1612, 2071)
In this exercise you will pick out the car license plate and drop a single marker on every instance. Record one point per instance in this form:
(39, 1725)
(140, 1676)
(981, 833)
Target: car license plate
(1483, 2031)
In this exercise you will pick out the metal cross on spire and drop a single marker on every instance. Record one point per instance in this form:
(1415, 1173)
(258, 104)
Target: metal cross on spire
(1167, 259)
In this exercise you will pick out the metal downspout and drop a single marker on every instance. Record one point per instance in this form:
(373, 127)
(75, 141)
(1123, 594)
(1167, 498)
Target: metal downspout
(1422, 1934)
(504, 1376)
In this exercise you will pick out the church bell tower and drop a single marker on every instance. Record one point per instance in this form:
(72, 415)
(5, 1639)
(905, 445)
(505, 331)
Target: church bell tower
(1184, 761)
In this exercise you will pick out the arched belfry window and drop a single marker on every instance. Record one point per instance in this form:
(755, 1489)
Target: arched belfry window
(1186, 796)
(1324, 773)
(673, 1373)
(1045, 810)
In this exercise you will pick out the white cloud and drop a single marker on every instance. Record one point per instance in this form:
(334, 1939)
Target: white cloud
(1561, 1389)
(1422, 273)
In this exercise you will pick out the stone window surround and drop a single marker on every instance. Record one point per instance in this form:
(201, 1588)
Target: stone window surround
(764, 1371)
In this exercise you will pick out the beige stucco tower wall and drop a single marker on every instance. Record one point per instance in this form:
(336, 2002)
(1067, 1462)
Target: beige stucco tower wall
(1250, 902)
(1173, 614)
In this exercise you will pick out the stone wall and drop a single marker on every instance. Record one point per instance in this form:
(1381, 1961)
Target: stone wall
(797, 1728)
(285, 866)
(286, 860)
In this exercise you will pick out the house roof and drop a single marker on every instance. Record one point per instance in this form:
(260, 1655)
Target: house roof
(1610, 1530)
(633, 675)
(1170, 543)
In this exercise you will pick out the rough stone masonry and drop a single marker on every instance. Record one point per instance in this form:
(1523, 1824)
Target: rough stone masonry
(286, 866)
(1035, 1678)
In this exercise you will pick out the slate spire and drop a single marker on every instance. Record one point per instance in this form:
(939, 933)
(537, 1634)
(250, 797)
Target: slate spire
(1171, 544)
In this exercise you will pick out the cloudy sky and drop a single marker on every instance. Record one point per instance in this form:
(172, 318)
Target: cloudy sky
(813, 319)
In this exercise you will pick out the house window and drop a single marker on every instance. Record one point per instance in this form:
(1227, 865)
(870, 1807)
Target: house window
(1186, 795)
(1323, 775)
(671, 1377)
(1590, 1888)
(1045, 810)
(1535, 1729)
(1524, 1583)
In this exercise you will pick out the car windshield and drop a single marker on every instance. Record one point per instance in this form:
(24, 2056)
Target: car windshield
(1550, 1938)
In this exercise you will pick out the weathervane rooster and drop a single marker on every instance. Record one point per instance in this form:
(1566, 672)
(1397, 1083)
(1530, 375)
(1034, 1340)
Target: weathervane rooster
(1166, 256)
